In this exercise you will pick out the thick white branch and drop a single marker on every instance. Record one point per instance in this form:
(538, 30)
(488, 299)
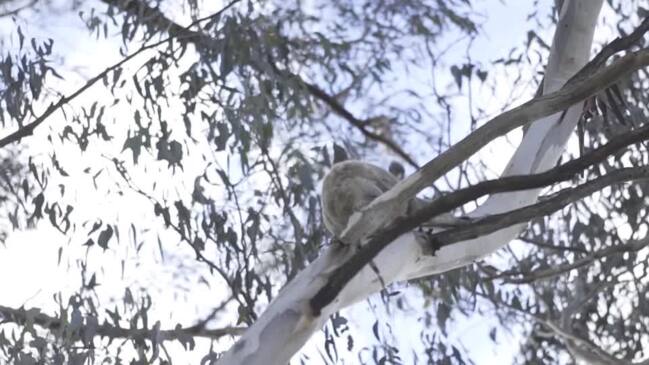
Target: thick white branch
(288, 322)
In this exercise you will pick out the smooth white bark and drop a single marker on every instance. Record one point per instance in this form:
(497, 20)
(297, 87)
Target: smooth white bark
(287, 323)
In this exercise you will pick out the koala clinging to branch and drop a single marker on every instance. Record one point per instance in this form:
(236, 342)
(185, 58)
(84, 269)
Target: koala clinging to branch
(352, 185)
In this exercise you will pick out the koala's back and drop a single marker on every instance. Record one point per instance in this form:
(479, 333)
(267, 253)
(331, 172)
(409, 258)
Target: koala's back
(348, 188)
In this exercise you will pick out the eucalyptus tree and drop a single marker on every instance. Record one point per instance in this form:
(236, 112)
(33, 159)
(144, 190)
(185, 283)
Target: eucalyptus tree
(203, 132)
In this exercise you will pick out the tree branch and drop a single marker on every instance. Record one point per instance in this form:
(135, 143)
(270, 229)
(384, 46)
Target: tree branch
(357, 123)
(22, 316)
(28, 129)
(619, 44)
(558, 270)
(343, 274)
(564, 197)
(551, 246)
(157, 20)
(576, 345)
(482, 226)
(582, 347)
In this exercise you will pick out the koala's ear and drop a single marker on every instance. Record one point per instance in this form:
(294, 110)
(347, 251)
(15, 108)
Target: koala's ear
(340, 154)
(397, 170)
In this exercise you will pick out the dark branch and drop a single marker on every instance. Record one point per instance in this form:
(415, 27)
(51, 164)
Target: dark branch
(617, 45)
(492, 223)
(28, 129)
(357, 123)
(156, 20)
(526, 278)
(551, 246)
(21, 316)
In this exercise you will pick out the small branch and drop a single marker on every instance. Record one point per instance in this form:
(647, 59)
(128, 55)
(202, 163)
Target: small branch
(157, 20)
(564, 197)
(577, 303)
(583, 347)
(200, 257)
(21, 316)
(28, 129)
(551, 246)
(558, 270)
(355, 122)
(200, 325)
(586, 349)
(619, 44)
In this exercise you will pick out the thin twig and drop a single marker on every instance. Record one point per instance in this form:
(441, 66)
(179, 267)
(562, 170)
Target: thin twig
(21, 316)
(551, 272)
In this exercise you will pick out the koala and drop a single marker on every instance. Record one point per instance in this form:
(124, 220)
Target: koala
(348, 188)
(352, 185)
